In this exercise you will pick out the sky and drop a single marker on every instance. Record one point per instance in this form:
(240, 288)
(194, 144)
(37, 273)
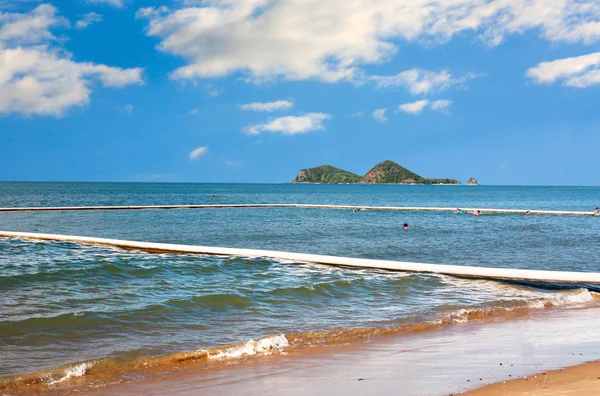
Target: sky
(506, 91)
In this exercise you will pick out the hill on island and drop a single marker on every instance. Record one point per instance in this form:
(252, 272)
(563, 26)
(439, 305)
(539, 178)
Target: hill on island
(326, 174)
(386, 172)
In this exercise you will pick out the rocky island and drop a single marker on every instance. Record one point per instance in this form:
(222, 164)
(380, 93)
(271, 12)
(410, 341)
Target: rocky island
(472, 182)
(386, 172)
(326, 174)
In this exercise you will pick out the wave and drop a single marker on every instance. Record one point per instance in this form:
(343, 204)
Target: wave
(576, 298)
(265, 347)
(78, 370)
(106, 268)
(110, 370)
(211, 301)
(114, 313)
(85, 261)
(328, 288)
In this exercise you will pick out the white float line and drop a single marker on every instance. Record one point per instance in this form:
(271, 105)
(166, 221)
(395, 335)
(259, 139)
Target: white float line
(309, 206)
(436, 209)
(144, 207)
(456, 270)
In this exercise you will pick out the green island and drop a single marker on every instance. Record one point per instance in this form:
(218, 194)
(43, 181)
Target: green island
(386, 172)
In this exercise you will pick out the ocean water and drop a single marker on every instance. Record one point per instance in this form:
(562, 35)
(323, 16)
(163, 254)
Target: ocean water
(75, 315)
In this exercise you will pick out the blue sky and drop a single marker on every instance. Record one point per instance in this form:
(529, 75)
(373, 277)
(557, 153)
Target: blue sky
(506, 91)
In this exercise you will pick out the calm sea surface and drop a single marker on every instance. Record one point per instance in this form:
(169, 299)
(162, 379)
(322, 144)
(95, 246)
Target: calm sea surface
(64, 303)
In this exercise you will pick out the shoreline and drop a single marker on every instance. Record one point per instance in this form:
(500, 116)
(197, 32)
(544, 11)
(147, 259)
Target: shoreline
(105, 372)
(580, 380)
(454, 360)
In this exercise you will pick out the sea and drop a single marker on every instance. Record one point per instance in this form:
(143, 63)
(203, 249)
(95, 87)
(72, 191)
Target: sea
(75, 315)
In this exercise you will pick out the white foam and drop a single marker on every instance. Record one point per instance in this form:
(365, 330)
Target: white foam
(571, 298)
(460, 316)
(575, 297)
(264, 346)
(537, 304)
(72, 372)
(580, 296)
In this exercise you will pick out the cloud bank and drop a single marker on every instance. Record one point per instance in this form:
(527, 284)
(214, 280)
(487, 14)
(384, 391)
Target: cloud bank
(330, 40)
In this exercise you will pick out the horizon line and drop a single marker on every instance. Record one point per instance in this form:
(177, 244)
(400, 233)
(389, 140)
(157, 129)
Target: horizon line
(280, 183)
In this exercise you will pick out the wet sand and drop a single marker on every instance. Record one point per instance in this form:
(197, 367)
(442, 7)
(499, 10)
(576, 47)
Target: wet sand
(580, 380)
(451, 361)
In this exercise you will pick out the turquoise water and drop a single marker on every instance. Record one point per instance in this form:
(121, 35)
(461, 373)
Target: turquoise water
(63, 303)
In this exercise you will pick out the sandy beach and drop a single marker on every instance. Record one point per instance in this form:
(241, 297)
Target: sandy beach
(451, 361)
(582, 380)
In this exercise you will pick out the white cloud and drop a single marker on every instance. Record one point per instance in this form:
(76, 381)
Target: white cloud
(379, 115)
(36, 78)
(88, 19)
(129, 108)
(420, 105)
(198, 152)
(114, 3)
(268, 106)
(357, 114)
(420, 81)
(441, 105)
(40, 81)
(29, 28)
(580, 71)
(290, 125)
(414, 107)
(330, 40)
(194, 111)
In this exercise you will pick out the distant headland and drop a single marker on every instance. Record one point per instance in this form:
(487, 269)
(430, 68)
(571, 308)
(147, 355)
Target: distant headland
(386, 172)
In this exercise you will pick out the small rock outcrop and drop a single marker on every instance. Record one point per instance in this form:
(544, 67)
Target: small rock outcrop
(472, 182)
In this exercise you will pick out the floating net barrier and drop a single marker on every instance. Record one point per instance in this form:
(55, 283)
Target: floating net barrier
(306, 206)
(522, 275)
